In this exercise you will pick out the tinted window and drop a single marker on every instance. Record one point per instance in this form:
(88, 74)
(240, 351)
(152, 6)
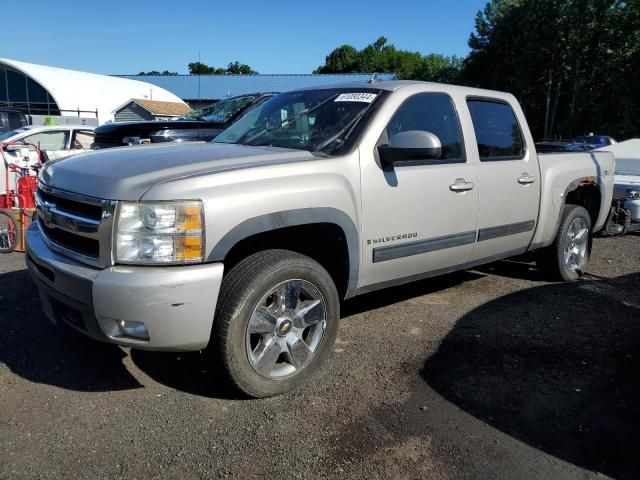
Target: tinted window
(497, 130)
(37, 94)
(17, 86)
(16, 119)
(430, 112)
(3, 85)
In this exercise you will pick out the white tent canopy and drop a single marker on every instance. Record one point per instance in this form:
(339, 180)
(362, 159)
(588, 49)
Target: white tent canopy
(75, 90)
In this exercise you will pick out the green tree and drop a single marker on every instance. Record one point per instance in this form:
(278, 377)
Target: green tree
(199, 68)
(237, 68)
(164, 73)
(380, 56)
(342, 59)
(569, 62)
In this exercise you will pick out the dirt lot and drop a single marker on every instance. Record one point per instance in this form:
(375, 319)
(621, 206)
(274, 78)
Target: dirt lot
(492, 373)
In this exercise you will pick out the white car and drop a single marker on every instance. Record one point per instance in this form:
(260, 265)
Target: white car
(625, 212)
(58, 141)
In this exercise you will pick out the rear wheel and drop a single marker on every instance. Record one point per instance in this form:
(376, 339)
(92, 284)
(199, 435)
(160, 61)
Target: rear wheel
(567, 257)
(8, 232)
(276, 323)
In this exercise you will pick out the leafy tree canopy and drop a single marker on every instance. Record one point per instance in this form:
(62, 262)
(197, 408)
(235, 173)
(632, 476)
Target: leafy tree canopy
(573, 64)
(235, 68)
(164, 73)
(381, 56)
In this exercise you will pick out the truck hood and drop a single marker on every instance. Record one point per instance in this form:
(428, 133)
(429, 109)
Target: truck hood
(127, 173)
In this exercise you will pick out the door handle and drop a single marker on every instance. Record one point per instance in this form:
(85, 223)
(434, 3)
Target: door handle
(461, 185)
(526, 179)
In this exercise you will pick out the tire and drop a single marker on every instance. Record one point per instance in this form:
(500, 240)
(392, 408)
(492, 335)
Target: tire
(559, 260)
(257, 342)
(8, 232)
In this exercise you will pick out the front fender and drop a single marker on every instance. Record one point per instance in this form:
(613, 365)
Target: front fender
(292, 218)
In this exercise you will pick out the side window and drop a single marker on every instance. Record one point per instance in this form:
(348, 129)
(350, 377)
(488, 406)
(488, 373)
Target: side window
(50, 140)
(82, 140)
(430, 112)
(497, 131)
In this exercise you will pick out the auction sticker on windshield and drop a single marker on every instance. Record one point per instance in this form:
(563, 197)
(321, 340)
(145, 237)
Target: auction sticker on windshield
(356, 97)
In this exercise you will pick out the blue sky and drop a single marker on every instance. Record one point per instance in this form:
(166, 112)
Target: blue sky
(125, 37)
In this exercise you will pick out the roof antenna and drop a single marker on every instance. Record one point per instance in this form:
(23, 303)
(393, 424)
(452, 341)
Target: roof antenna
(374, 77)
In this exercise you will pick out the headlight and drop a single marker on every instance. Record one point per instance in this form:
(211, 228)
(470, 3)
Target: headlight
(160, 232)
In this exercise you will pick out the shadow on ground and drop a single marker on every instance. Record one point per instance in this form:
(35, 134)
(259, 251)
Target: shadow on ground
(39, 351)
(556, 367)
(389, 296)
(36, 350)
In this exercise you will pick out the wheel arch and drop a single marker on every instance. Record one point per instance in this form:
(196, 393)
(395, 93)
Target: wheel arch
(583, 191)
(307, 224)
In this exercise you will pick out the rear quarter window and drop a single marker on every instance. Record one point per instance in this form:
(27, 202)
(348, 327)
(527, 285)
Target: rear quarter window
(497, 130)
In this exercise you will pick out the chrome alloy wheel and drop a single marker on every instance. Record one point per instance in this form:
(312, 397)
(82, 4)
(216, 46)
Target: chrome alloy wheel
(576, 242)
(286, 329)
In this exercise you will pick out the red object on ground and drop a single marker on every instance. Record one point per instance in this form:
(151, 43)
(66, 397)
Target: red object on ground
(26, 191)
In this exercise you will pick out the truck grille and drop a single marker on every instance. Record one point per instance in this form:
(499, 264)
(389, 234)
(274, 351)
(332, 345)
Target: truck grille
(75, 225)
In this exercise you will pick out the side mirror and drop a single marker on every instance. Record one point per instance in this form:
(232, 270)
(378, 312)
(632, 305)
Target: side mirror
(410, 145)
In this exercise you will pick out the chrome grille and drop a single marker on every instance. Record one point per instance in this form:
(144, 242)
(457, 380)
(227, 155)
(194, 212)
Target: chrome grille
(78, 226)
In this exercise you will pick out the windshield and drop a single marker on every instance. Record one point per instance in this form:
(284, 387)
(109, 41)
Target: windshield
(314, 120)
(223, 110)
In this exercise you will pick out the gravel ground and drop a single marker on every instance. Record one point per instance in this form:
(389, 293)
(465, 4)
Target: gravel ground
(491, 373)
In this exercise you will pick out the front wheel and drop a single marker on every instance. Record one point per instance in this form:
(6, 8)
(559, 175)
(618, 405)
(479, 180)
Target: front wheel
(567, 257)
(8, 232)
(276, 322)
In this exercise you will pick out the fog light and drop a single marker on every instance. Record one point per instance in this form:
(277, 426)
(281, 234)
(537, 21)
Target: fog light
(133, 329)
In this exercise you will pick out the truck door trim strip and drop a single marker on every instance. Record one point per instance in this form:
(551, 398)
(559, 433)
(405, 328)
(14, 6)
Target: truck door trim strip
(490, 233)
(392, 252)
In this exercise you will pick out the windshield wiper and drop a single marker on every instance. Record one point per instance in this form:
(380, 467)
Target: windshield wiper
(346, 130)
(291, 120)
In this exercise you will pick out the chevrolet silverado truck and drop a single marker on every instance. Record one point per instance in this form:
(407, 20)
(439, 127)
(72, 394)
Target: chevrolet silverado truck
(244, 247)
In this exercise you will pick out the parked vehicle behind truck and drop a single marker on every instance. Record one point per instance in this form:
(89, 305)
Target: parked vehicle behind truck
(246, 246)
(200, 126)
(624, 215)
(12, 120)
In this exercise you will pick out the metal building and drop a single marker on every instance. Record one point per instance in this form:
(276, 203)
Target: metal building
(43, 90)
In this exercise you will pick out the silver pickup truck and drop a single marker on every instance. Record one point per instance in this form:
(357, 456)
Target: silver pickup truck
(246, 246)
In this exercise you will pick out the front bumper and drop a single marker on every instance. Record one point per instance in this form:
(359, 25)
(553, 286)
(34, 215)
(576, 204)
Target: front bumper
(176, 304)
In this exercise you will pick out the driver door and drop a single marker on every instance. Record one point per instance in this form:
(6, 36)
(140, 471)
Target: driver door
(416, 221)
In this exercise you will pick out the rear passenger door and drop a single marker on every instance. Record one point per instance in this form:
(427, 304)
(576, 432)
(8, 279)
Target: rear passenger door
(509, 180)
